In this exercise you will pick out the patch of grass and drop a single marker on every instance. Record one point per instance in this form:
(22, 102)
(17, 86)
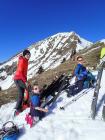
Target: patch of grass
(91, 56)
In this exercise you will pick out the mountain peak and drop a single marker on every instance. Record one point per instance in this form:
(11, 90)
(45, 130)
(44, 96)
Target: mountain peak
(48, 53)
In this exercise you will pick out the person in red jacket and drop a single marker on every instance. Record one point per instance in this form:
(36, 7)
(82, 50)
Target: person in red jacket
(20, 79)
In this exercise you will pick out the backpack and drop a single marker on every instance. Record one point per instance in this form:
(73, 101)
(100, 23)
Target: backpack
(25, 103)
(89, 81)
(9, 131)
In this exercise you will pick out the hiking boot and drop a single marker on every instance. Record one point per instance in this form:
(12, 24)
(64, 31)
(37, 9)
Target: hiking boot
(16, 113)
(30, 121)
(69, 95)
(36, 119)
(67, 90)
(27, 118)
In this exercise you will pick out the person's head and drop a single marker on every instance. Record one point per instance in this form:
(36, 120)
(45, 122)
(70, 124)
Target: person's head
(35, 88)
(79, 59)
(26, 54)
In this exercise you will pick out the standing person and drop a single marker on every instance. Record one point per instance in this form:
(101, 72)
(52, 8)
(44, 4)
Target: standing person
(20, 79)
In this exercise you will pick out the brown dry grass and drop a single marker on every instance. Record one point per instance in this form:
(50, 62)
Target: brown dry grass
(91, 57)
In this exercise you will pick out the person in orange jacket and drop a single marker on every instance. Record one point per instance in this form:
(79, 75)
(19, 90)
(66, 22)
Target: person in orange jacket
(20, 79)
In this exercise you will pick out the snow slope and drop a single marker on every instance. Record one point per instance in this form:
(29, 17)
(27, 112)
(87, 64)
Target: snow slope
(74, 123)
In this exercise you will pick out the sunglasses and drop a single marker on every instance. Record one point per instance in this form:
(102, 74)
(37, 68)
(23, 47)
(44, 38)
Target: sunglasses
(29, 55)
(36, 89)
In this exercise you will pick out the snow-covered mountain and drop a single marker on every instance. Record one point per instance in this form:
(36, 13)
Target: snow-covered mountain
(47, 53)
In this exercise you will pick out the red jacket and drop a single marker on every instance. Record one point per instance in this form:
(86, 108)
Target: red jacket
(21, 72)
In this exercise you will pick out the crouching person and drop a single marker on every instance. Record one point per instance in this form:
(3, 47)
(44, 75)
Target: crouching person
(36, 112)
(83, 78)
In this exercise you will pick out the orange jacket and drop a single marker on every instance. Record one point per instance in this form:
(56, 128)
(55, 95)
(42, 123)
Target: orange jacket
(22, 67)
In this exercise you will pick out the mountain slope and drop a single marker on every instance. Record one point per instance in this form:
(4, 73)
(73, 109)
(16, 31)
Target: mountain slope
(48, 53)
(73, 123)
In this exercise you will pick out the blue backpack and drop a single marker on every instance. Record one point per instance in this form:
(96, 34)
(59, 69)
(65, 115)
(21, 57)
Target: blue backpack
(9, 133)
(89, 81)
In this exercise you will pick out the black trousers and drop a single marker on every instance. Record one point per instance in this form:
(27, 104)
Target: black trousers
(76, 88)
(37, 113)
(21, 89)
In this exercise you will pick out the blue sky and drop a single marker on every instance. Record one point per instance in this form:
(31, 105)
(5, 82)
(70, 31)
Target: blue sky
(24, 22)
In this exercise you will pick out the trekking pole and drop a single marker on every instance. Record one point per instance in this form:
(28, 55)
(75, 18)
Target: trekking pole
(103, 110)
(75, 99)
(96, 91)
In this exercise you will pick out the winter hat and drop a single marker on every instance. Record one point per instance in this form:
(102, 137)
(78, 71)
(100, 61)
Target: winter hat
(26, 52)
